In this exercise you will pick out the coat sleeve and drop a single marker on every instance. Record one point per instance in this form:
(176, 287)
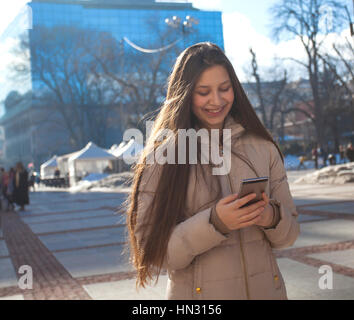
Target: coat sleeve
(188, 239)
(286, 231)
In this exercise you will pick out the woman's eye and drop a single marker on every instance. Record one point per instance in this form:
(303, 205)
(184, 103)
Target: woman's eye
(225, 89)
(203, 93)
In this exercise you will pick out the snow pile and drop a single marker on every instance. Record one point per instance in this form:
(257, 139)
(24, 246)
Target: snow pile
(112, 181)
(82, 185)
(336, 174)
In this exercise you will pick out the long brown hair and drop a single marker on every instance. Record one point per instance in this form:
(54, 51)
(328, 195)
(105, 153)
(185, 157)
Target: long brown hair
(168, 206)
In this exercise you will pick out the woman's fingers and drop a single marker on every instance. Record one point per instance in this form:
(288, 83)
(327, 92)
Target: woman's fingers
(228, 199)
(249, 223)
(265, 197)
(251, 216)
(250, 208)
(242, 201)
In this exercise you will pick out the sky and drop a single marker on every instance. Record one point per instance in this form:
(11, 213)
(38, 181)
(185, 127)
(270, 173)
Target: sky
(246, 23)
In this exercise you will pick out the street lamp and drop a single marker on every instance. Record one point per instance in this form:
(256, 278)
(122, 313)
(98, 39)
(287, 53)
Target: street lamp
(174, 22)
(186, 25)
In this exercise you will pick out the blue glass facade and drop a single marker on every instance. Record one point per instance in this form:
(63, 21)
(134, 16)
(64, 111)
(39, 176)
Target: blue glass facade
(137, 24)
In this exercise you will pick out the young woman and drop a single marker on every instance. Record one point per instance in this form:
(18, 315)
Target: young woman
(183, 218)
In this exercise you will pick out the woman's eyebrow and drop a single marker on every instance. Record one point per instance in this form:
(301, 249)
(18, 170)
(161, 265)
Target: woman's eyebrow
(205, 86)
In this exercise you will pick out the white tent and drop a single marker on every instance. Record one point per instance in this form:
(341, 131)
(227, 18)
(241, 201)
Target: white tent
(91, 159)
(63, 162)
(48, 168)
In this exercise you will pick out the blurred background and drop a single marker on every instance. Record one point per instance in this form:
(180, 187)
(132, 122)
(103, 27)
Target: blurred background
(75, 74)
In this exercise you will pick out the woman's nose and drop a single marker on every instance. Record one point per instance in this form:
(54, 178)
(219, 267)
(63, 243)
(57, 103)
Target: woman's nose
(215, 98)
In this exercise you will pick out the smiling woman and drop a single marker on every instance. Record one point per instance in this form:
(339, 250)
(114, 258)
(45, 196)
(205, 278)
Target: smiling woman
(183, 218)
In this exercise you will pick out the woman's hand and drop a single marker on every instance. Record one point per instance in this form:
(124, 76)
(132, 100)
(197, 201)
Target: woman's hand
(267, 214)
(234, 217)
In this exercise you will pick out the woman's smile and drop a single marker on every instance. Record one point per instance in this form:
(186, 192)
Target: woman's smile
(214, 112)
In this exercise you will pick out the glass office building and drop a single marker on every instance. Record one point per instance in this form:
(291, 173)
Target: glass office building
(136, 25)
(135, 20)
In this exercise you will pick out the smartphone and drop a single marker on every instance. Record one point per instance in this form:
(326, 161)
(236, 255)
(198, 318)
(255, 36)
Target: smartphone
(253, 185)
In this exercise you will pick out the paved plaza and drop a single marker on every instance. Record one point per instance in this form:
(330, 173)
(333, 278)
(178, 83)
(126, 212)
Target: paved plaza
(75, 244)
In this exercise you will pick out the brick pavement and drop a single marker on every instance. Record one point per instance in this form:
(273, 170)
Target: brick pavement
(300, 254)
(50, 279)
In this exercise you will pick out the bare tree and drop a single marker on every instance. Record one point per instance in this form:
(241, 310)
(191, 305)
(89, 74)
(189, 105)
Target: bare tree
(341, 65)
(270, 92)
(63, 71)
(305, 19)
(336, 105)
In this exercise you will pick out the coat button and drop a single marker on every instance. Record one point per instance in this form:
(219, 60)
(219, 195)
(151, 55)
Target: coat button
(276, 278)
(198, 290)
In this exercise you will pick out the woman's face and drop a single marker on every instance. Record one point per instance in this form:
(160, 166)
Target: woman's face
(213, 97)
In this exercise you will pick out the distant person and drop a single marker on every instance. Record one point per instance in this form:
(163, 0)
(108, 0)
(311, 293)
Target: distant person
(107, 170)
(324, 155)
(350, 152)
(315, 157)
(67, 180)
(302, 163)
(342, 153)
(57, 173)
(20, 194)
(331, 159)
(31, 181)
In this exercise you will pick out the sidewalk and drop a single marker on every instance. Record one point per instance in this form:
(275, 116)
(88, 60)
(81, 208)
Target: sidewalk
(75, 246)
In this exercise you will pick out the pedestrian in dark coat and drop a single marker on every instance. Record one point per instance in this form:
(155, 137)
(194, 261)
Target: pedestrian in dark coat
(315, 157)
(350, 152)
(324, 156)
(20, 194)
(342, 153)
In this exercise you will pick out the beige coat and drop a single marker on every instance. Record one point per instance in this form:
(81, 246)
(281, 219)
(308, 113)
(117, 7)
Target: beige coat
(204, 259)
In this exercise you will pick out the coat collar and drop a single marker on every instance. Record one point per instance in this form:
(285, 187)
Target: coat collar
(236, 131)
(236, 128)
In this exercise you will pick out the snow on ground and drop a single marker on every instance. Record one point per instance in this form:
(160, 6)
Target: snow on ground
(104, 182)
(335, 174)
